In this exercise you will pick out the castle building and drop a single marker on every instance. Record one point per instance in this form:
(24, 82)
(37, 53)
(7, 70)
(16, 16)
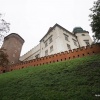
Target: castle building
(58, 39)
(13, 45)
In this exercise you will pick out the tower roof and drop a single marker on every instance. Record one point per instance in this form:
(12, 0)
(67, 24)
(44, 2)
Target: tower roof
(16, 36)
(79, 30)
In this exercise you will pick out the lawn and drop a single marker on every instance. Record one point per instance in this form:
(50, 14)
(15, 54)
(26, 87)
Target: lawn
(77, 79)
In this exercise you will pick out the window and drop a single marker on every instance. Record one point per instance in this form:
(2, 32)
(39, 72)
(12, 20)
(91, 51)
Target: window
(83, 34)
(13, 55)
(68, 46)
(66, 37)
(87, 42)
(46, 53)
(37, 56)
(46, 44)
(12, 62)
(51, 48)
(50, 40)
(15, 51)
(75, 42)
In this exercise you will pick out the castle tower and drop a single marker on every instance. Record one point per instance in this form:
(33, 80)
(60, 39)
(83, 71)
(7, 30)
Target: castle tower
(83, 36)
(13, 45)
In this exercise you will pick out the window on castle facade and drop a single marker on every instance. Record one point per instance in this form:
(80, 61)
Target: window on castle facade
(50, 40)
(46, 44)
(51, 48)
(83, 34)
(75, 42)
(37, 56)
(46, 53)
(68, 46)
(87, 42)
(12, 62)
(66, 37)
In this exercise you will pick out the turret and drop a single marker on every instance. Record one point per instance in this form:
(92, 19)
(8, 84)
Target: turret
(13, 44)
(83, 36)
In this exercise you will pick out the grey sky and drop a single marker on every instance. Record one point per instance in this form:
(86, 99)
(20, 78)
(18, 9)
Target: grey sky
(31, 19)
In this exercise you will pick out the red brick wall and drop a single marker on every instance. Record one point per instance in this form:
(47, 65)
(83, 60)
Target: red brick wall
(80, 52)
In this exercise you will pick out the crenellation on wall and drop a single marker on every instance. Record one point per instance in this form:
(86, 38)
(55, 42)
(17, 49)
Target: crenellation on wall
(67, 55)
(74, 50)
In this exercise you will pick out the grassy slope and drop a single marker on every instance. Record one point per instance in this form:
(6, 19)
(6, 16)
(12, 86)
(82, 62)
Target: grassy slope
(77, 79)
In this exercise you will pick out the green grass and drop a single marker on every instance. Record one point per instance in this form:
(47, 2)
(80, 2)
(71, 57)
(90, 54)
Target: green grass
(77, 79)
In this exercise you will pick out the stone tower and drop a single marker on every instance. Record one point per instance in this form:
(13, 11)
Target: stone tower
(13, 44)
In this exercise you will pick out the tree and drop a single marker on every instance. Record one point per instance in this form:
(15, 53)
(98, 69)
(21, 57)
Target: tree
(3, 58)
(4, 28)
(95, 20)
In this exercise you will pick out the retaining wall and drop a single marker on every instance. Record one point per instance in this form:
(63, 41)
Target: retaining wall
(75, 53)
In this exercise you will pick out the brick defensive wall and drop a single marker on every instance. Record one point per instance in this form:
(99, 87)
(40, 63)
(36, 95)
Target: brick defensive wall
(71, 54)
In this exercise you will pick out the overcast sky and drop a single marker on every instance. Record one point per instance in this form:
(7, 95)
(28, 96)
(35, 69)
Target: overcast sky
(31, 19)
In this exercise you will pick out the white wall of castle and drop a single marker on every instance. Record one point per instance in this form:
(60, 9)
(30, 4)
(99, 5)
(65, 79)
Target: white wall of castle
(53, 35)
(31, 54)
(59, 43)
(62, 44)
(83, 36)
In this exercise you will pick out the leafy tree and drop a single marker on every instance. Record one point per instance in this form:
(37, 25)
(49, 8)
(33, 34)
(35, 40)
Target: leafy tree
(95, 20)
(4, 28)
(3, 58)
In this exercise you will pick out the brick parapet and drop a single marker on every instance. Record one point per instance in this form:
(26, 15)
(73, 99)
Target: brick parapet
(75, 53)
